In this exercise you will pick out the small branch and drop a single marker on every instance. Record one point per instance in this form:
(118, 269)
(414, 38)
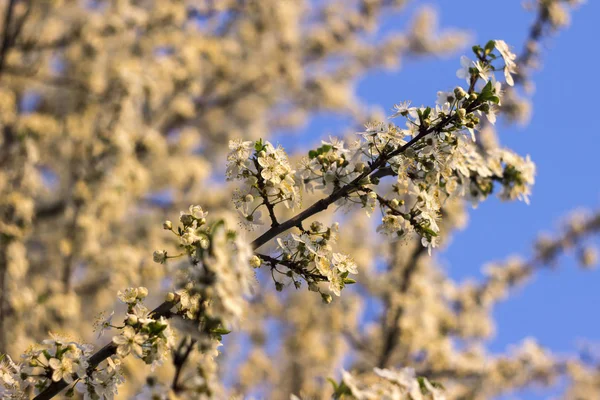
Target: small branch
(392, 336)
(263, 193)
(291, 266)
(179, 359)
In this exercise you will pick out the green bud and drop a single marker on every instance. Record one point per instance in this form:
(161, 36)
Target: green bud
(460, 93)
(359, 167)
(326, 298)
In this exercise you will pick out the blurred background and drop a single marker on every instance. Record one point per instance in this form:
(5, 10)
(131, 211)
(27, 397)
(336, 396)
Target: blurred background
(116, 115)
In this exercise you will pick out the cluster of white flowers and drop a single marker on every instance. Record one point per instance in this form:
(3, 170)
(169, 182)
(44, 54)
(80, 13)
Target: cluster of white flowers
(400, 384)
(267, 177)
(311, 255)
(10, 379)
(148, 338)
(330, 166)
(59, 359)
(217, 280)
(55, 359)
(517, 174)
(103, 382)
(484, 69)
(434, 157)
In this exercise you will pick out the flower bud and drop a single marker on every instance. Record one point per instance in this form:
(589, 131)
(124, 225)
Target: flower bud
(460, 93)
(186, 219)
(159, 256)
(326, 298)
(248, 198)
(132, 319)
(255, 262)
(167, 225)
(204, 243)
(142, 292)
(316, 226)
(462, 113)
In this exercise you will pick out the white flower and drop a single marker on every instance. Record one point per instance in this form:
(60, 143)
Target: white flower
(160, 256)
(510, 66)
(401, 109)
(249, 221)
(308, 243)
(130, 295)
(106, 324)
(196, 212)
(335, 283)
(344, 263)
(483, 70)
(189, 237)
(62, 369)
(466, 63)
(130, 341)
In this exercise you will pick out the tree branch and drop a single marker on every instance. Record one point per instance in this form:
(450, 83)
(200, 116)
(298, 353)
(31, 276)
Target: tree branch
(321, 205)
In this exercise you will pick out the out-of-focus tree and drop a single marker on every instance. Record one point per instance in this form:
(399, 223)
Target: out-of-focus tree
(115, 115)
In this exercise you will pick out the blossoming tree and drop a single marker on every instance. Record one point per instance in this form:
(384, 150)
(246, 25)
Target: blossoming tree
(116, 115)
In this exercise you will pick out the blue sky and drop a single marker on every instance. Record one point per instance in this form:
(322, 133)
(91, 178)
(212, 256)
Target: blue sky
(557, 307)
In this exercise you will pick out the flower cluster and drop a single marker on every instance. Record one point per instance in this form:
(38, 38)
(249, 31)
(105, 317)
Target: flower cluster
(55, 359)
(482, 68)
(103, 382)
(214, 284)
(400, 384)
(330, 166)
(147, 338)
(267, 177)
(433, 158)
(311, 256)
(10, 379)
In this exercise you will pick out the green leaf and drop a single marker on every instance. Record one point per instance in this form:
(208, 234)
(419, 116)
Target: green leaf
(489, 46)
(428, 231)
(422, 386)
(487, 92)
(349, 281)
(220, 331)
(427, 112)
(312, 154)
(333, 383)
(341, 390)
